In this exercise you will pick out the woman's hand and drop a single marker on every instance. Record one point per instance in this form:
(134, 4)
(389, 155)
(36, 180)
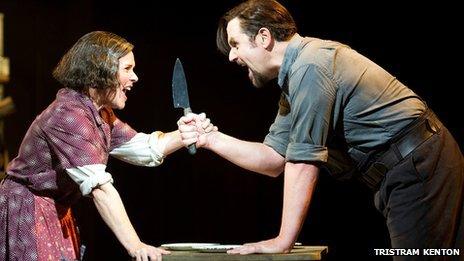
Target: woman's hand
(144, 252)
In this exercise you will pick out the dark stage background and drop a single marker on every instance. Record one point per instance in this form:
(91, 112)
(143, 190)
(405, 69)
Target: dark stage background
(203, 198)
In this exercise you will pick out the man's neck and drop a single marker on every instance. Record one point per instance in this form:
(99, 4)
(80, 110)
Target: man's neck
(277, 55)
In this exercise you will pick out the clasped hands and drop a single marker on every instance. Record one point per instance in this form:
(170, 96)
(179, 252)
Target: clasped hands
(196, 128)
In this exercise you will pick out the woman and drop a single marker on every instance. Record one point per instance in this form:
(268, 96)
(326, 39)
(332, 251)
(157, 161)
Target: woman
(65, 151)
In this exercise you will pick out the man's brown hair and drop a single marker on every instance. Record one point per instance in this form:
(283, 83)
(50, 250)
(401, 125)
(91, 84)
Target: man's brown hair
(254, 15)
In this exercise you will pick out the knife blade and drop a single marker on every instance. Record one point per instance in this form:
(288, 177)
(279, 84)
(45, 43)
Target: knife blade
(180, 96)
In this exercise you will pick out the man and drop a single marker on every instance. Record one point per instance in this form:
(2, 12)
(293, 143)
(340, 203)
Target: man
(340, 111)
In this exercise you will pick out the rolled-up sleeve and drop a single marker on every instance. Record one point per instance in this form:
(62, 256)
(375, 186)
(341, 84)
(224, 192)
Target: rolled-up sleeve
(90, 176)
(311, 95)
(306, 152)
(142, 150)
(277, 138)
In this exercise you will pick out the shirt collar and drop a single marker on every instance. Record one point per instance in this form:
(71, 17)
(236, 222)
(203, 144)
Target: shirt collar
(289, 57)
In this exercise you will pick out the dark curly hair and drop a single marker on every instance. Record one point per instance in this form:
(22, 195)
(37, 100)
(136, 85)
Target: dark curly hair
(254, 15)
(92, 62)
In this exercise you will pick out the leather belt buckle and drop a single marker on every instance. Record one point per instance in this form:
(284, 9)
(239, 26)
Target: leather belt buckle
(374, 175)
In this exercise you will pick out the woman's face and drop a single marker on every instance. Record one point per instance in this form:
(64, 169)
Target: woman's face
(126, 78)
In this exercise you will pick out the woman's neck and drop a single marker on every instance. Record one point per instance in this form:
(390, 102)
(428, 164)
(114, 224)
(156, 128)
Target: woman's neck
(95, 96)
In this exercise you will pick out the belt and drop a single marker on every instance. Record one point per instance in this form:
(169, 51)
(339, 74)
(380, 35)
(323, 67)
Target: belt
(399, 148)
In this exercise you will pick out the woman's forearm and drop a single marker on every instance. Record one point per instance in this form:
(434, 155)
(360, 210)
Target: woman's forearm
(172, 141)
(111, 209)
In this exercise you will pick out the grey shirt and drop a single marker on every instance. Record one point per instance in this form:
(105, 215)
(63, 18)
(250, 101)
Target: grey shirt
(338, 100)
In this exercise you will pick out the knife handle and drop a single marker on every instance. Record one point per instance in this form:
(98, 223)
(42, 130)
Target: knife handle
(191, 148)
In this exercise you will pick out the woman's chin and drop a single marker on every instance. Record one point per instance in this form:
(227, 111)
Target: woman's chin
(118, 106)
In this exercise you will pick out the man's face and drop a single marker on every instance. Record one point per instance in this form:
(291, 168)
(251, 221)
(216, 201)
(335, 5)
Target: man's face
(126, 78)
(247, 53)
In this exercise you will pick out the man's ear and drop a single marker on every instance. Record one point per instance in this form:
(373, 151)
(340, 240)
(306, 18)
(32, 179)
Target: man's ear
(264, 38)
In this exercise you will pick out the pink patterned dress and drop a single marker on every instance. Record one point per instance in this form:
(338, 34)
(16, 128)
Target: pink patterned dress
(36, 222)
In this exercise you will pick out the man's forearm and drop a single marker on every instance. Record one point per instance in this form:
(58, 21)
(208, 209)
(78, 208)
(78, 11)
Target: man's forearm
(299, 184)
(253, 156)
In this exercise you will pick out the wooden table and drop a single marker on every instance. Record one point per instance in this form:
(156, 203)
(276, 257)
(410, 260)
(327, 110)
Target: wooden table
(298, 253)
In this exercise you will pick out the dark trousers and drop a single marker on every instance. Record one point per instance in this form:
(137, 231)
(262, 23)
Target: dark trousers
(422, 198)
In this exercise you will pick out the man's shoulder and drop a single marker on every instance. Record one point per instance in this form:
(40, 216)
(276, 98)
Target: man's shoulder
(316, 52)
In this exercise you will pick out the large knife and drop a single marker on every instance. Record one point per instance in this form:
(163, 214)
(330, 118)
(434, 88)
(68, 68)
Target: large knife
(180, 94)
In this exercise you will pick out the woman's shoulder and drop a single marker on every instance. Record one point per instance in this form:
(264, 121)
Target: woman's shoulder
(64, 114)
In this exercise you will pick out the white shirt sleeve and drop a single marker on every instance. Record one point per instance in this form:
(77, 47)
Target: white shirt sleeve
(89, 177)
(143, 150)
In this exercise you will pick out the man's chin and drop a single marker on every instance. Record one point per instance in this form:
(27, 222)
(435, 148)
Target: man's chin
(258, 86)
(258, 83)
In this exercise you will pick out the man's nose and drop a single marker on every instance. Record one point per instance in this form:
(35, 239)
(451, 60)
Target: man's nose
(232, 55)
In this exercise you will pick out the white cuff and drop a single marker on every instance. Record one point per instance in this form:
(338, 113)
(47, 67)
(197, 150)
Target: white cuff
(89, 177)
(143, 150)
